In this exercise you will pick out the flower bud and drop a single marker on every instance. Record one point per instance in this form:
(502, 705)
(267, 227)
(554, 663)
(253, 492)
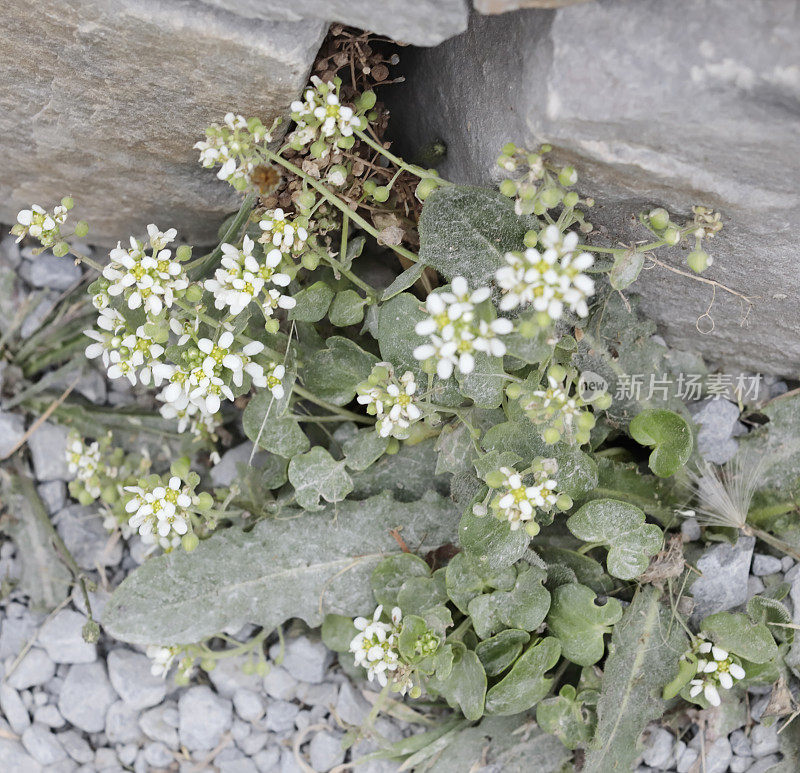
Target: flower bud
(659, 218)
(345, 143)
(90, 632)
(184, 252)
(508, 188)
(530, 239)
(509, 149)
(208, 664)
(262, 668)
(698, 261)
(558, 372)
(603, 402)
(310, 260)
(381, 194)
(306, 200)
(67, 202)
(672, 236)
(564, 502)
(551, 435)
(532, 528)
(393, 447)
(585, 420)
(494, 479)
(337, 175)
(369, 187)
(204, 501)
(426, 186)
(60, 249)
(366, 101)
(513, 391)
(568, 176)
(272, 326)
(551, 197)
(194, 293)
(570, 199)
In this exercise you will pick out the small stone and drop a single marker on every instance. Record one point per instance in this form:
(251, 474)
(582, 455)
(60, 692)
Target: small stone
(757, 708)
(62, 638)
(158, 755)
(13, 757)
(279, 683)
(253, 743)
(659, 748)
(97, 599)
(717, 419)
(160, 724)
(305, 659)
(86, 696)
(718, 755)
(764, 740)
(740, 764)
(75, 745)
(122, 723)
(240, 730)
(723, 584)
(289, 763)
(240, 765)
(49, 272)
(755, 585)
(10, 253)
(787, 562)
(86, 538)
(49, 715)
(325, 750)
(764, 764)
(352, 707)
(34, 319)
(17, 630)
(226, 471)
(204, 717)
(53, 494)
(740, 743)
(303, 719)
(48, 446)
(324, 694)
(267, 759)
(13, 709)
(764, 565)
(35, 668)
(280, 716)
(42, 745)
(248, 705)
(690, 529)
(105, 758)
(228, 677)
(127, 753)
(12, 428)
(687, 759)
(65, 766)
(130, 675)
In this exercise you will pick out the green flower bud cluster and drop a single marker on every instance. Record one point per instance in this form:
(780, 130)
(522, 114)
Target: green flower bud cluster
(707, 224)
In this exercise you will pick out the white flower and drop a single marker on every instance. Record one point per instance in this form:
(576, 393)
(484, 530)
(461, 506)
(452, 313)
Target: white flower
(40, 224)
(555, 399)
(161, 511)
(162, 657)
(238, 281)
(288, 235)
(550, 280)
(191, 418)
(274, 378)
(454, 334)
(375, 647)
(83, 462)
(232, 147)
(715, 669)
(391, 400)
(320, 112)
(517, 502)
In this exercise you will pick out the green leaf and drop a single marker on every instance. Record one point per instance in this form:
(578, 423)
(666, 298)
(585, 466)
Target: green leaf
(643, 657)
(420, 595)
(621, 527)
(485, 384)
(392, 572)
(563, 717)
(317, 474)
(466, 578)
(670, 437)
(626, 269)
(334, 373)
(455, 448)
(43, 577)
(281, 436)
(585, 569)
(500, 651)
(580, 624)
(524, 606)
(347, 308)
(737, 633)
(297, 565)
(364, 448)
(466, 231)
(491, 541)
(337, 632)
(312, 303)
(465, 686)
(403, 281)
(525, 684)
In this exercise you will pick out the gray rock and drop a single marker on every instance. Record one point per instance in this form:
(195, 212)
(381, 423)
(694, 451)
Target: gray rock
(9, 251)
(35, 668)
(740, 744)
(659, 748)
(740, 764)
(62, 638)
(225, 471)
(42, 745)
(289, 763)
(757, 708)
(73, 106)
(754, 587)
(240, 729)
(63, 766)
(122, 723)
(51, 272)
(48, 445)
(34, 319)
(421, 22)
(14, 757)
(204, 717)
(97, 599)
(86, 538)
(105, 759)
(723, 584)
(687, 759)
(13, 709)
(240, 765)
(127, 753)
(324, 694)
(677, 132)
(764, 565)
(12, 428)
(92, 384)
(130, 675)
(325, 750)
(716, 418)
(718, 755)
(253, 743)
(53, 494)
(267, 759)
(228, 677)
(787, 562)
(158, 755)
(280, 716)
(764, 740)
(76, 746)
(49, 715)
(690, 529)
(279, 683)
(86, 696)
(248, 705)
(305, 659)
(764, 764)
(352, 707)
(160, 724)
(16, 629)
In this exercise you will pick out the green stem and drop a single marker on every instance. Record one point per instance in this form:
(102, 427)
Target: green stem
(337, 202)
(324, 419)
(463, 627)
(81, 258)
(415, 170)
(774, 542)
(312, 398)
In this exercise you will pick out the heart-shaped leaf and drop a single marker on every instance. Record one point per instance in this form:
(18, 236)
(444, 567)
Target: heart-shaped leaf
(465, 685)
(739, 634)
(668, 434)
(564, 717)
(622, 528)
(500, 651)
(317, 474)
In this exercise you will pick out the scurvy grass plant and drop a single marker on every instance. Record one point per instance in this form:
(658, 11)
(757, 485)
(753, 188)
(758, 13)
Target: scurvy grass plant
(441, 491)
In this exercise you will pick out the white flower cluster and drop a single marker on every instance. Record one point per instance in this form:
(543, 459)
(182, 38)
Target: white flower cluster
(715, 669)
(454, 333)
(285, 234)
(83, 462)
(375, 647)
(231, 146)
(517, 502)
(40, 224)
(319, 115)
(391, 400)
(555, 399)
(241, 279)
(160, 513)
(550, 280)
(150, 281)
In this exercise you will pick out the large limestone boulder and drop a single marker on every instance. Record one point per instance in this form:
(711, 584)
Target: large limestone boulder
(692, 101)
(103, 100)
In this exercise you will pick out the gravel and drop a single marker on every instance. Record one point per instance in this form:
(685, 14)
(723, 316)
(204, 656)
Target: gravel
(62, 638)
(86, 696)
(724, 571)
(325, 750)
(305, 659)
(42, 745)
(12, 428)
(47, 446)
(130, 676)
(204, 717)
(764, 565)
(34, 669)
